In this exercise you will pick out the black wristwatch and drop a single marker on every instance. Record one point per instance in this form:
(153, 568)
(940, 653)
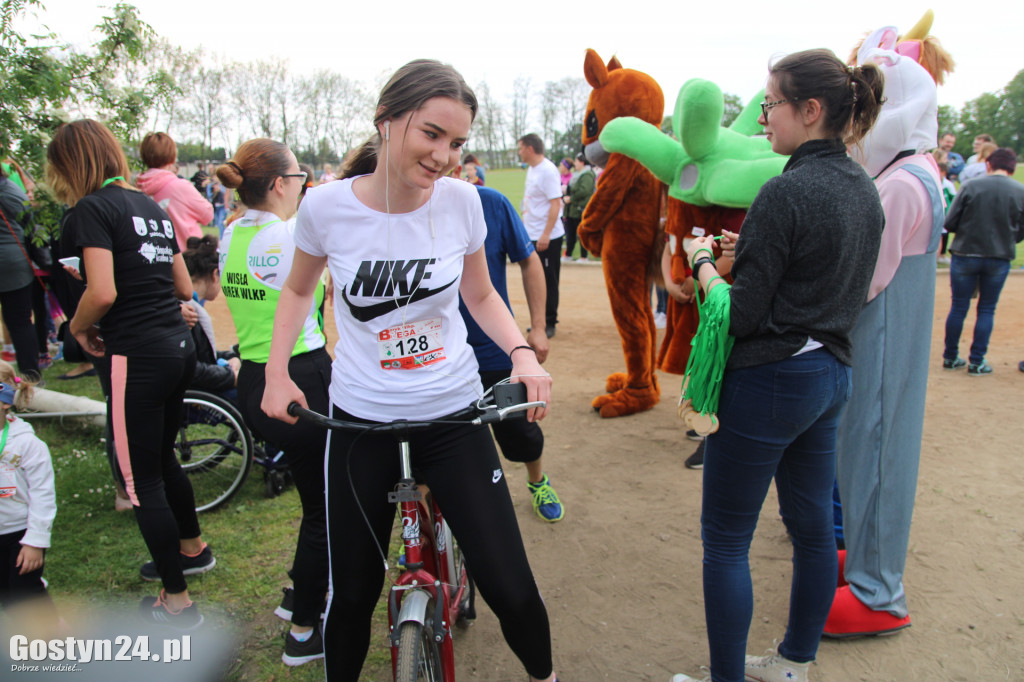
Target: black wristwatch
(699, 263)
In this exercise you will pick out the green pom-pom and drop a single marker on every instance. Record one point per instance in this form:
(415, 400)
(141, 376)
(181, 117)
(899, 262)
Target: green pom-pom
(711, 346)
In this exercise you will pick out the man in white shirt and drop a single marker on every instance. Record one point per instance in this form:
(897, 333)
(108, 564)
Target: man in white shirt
(542, 213)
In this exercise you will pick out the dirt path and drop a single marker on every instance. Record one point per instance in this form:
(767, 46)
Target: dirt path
(621, 574)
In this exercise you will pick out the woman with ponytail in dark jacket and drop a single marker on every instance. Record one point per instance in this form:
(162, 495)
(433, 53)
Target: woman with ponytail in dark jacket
(804, 260)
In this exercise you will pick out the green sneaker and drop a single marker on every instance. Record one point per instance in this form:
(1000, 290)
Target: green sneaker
(545, 500)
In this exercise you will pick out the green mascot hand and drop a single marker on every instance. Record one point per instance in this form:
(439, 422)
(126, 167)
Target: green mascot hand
(709, 165)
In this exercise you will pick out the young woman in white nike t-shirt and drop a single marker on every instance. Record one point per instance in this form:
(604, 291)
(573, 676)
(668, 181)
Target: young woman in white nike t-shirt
(402, 242)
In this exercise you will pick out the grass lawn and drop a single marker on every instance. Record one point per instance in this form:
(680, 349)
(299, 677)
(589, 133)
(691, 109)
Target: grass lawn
(510, 182)
(96, 553)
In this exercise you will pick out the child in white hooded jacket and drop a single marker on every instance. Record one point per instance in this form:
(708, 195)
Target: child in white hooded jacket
(28, 500)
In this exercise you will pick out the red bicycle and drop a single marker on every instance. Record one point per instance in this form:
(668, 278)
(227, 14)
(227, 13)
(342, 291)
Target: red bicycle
(436, 589)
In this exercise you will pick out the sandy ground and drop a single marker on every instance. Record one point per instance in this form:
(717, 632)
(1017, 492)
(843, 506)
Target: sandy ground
(621, 574)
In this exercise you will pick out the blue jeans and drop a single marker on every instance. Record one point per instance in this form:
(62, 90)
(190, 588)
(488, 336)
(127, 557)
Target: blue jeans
(965, 274)
(219, 213)
(778, 420)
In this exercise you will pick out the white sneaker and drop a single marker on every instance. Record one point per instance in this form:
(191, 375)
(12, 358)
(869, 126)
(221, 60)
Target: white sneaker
(686, 678)
(660, 320)
(772, 667)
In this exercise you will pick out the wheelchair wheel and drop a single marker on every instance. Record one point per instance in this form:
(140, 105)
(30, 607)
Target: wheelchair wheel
(214, 448)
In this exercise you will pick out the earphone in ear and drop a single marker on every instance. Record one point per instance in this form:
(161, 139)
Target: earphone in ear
(387, 130)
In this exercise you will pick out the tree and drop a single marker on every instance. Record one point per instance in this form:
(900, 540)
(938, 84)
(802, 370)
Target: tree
(351, 108)
(489, 125)
(258, 90)
(178, 66)
(205, 107)
(1000, 114)
(949, 121)
(520, 107)
(981, 115)
(733, 108)
(46, 81)
(550, 100)
(333, 109)
(1012, 114)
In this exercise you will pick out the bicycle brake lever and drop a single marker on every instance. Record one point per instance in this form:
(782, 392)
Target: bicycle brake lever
(492, 414)
(521, 407)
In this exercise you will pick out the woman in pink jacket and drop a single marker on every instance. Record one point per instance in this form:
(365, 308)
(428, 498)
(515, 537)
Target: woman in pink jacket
(188, 209)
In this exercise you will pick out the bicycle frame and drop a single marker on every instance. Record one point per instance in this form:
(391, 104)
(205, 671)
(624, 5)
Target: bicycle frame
(430, 569)
(433, 571)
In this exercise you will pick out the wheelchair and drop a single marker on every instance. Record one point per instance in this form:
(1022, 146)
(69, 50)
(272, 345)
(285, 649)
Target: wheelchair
(217, 451)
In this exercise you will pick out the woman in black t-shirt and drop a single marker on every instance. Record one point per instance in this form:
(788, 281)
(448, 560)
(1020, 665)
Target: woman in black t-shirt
(130, 312)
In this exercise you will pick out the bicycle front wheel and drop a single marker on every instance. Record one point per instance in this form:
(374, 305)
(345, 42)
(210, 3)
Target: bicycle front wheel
(419, 656)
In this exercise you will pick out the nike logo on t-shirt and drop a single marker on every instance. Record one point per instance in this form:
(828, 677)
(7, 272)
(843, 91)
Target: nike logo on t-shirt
(375, 310)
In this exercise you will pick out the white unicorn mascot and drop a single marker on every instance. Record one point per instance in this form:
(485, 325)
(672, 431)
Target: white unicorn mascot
(880, 434)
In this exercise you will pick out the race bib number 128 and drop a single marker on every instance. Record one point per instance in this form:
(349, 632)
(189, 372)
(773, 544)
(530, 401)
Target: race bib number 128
(411, 345)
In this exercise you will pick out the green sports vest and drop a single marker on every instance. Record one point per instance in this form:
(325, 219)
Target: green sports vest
(252, 303)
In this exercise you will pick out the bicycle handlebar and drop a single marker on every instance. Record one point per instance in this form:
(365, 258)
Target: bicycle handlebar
(488, 415)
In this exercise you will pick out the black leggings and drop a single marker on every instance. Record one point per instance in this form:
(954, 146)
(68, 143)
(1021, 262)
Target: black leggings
(15, 588)
(16, 307)
(551, 261)
(460, 465)
(571, 225)
(146, 397)
(41, 316)
(303, 445)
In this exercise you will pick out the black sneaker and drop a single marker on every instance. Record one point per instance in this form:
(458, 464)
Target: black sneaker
(190, 565)
(284, 611)
(693, 435)
(154, 610)
(954, 364)
(979, 370)
(696, 460)
(297, 653)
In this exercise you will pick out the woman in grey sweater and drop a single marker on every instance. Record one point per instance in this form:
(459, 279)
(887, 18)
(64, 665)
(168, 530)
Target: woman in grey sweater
(803, 264)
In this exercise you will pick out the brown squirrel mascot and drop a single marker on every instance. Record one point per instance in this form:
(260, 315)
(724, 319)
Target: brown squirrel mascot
(621, 225)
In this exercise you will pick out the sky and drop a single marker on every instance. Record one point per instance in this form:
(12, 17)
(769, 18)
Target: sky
(729, 43)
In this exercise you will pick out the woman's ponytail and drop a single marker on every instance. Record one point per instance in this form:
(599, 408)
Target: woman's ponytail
(851, 96)
(362, 160)
(867, 84)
